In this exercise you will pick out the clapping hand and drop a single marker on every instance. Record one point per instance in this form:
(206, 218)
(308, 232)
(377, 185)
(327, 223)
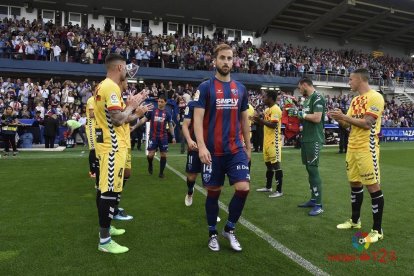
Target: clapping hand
(143, 108)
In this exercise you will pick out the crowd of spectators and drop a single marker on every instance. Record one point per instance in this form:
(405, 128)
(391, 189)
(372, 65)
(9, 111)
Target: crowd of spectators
(33, 99)
(22, 39)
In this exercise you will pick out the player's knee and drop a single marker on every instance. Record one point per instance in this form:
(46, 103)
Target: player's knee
(269, 166)
(163, 154)
(191, 176)
(241, 193)
(373, 188)
(312, 170)
(242, 186)
(279, 173)
(127, 173)
(213, 192)
(276, 166)
(355, 184)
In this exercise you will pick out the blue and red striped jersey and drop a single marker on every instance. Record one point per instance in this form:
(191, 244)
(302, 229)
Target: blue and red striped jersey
(159, 120)
(223, 103)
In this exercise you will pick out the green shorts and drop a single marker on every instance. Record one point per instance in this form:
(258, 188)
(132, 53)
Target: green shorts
(310, 153)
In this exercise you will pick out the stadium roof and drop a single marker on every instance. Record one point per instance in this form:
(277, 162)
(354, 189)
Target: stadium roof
(377, 21)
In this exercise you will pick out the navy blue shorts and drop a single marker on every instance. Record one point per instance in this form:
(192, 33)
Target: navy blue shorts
(193, 162)
(236, 166)
(154, 144)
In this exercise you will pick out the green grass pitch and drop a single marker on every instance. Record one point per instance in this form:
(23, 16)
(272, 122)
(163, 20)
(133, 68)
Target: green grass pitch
(49, 224)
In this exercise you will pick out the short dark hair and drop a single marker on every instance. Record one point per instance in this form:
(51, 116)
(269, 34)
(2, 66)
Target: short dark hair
(271, 94)
(112, 58)
(221, 47)
(162, 97)
(306, 80)
(363, 73)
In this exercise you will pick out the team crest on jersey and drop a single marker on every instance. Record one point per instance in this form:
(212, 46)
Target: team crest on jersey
(114, 99)
(197, 95)
(206, 177)
(234, 91)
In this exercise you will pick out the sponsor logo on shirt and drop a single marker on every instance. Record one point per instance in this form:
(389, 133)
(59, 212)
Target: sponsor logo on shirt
(159, 118)
(227, 103)
(374, 108)
(114, 99)
(197, 95)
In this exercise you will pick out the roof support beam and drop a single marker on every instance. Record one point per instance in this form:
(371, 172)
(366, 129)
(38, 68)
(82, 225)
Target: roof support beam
(365, 25)
(331, 15)
(398, 32)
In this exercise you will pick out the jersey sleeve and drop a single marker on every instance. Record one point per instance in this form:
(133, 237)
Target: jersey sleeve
(201, 95)
(89, 104)
(319, 104)
(112, 96)
(148, 115)
(188, 112)
(245, 99)
(375, 105)
(275, 115)
(169, 117)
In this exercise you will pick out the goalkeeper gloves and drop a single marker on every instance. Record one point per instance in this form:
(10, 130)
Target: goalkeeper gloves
(292, 112)
(301, 115)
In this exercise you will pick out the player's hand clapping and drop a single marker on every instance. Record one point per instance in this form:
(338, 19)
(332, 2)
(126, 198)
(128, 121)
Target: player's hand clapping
(336, 114)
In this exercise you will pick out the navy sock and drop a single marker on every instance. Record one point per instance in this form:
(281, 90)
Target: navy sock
(212, 210)
(163, 162)
(235, 208)
(190, 186)
(150, 159)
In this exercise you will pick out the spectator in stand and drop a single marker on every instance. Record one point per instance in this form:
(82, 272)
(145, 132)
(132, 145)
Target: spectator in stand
(56, 52)
(9, 124)
(51, 129)
(25, 113)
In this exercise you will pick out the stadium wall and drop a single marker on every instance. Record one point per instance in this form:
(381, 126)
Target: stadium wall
(77, 70)
(156, 29)
(97, 23)
(28, 16)
(282, 36)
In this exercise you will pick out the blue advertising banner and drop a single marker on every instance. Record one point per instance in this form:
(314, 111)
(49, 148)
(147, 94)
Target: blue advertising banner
(397, 134)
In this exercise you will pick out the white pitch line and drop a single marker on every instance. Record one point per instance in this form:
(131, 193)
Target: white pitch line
(262, 234)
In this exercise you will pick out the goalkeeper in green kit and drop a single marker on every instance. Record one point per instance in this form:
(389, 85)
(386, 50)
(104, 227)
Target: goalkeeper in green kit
(312, 118)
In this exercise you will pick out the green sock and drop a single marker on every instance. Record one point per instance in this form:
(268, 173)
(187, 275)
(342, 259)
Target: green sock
(315, 183)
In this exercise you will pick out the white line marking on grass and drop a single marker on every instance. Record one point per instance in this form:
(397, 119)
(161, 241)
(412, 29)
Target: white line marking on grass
(262, 234)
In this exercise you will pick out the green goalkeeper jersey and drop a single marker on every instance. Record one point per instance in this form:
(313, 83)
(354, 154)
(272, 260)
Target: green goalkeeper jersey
(314, 132)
